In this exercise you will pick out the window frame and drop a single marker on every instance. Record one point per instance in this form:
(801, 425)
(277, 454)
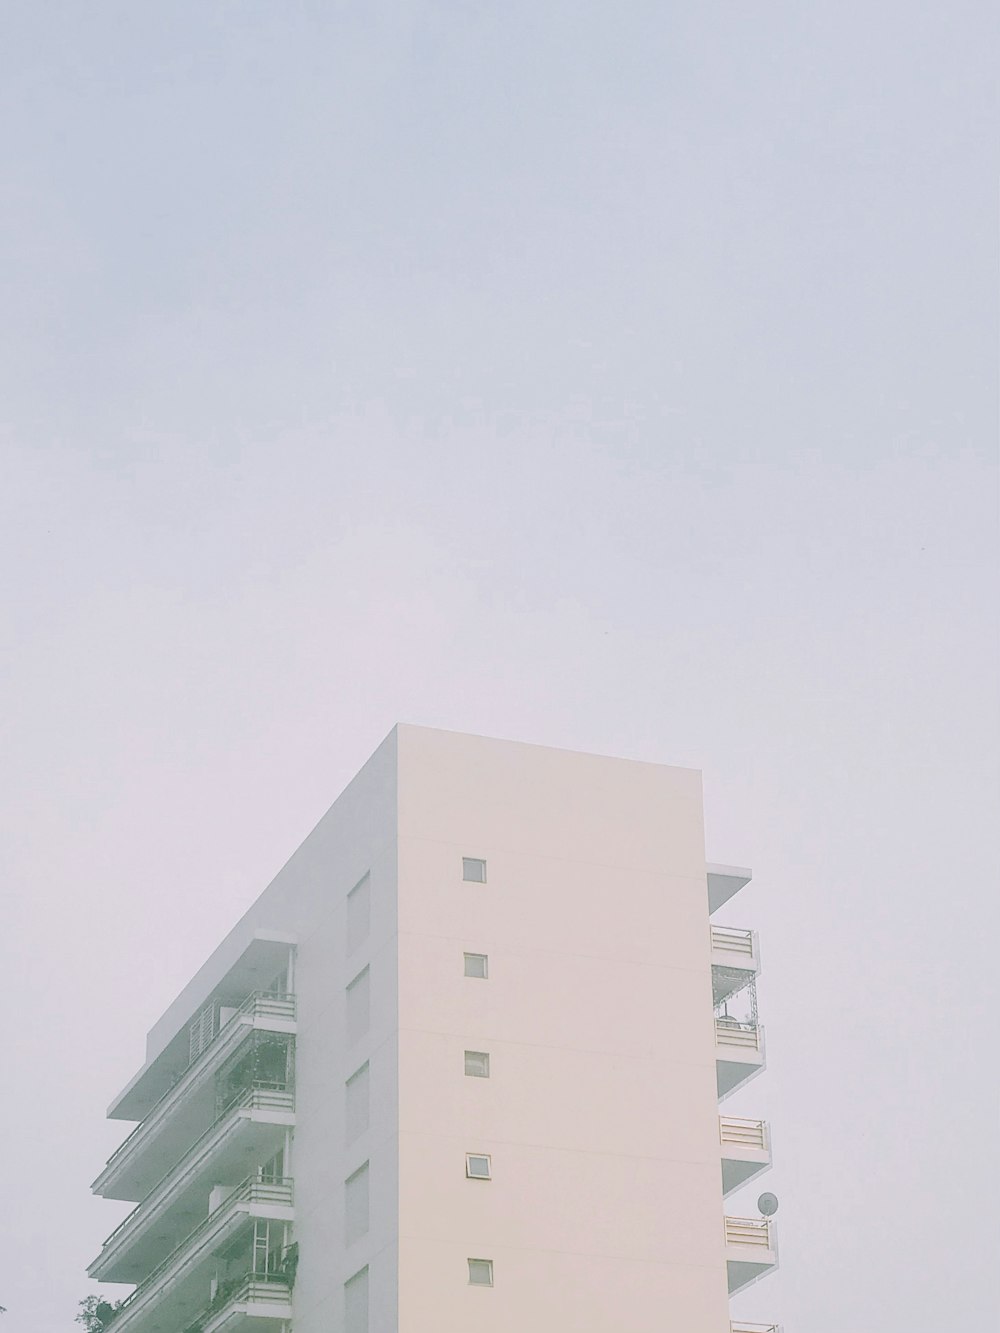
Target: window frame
(489, 1268)
(479, 1157)
(486, 1061)
(476, 976)
(467, 863)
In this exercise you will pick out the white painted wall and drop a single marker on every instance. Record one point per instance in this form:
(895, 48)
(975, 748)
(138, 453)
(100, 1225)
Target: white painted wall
(308, 899)
(604, 1213)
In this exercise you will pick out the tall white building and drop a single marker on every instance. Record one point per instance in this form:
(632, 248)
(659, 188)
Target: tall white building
(458, 1067)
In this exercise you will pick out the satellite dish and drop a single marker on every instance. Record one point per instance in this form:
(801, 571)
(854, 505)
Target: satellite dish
(768, 1204)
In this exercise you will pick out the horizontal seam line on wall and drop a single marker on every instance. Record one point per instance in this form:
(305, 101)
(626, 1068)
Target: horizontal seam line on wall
(552, 1046)
(554, 1147)
(562, 860)
(560, 953)
(582, 1254)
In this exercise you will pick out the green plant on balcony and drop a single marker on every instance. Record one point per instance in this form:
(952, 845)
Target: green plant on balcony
(96, 1314)
(289, 1264)
(265, 1063)
(228, 1289)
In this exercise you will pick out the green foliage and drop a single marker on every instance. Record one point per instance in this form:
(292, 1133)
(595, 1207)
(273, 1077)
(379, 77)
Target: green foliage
(96, 1313)
(265, 1061)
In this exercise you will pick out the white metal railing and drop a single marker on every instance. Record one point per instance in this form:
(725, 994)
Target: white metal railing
(257, 1005)
(266, 1004)
(743, 1133)
(752, 1231)
(730, 940)
(274, 1191)
(253, 1098)
(259, 1291)
(728, 1032)
(255, 1289)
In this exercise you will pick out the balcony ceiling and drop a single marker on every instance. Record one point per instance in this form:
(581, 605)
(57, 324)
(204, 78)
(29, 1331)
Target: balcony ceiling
(255, 968)
(723, 882)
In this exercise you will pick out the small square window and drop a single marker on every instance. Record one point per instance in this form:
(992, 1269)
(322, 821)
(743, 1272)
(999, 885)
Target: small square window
(477, 1064)
(481, 1272)
(473, 870)
(477, 965)
(477, 1166)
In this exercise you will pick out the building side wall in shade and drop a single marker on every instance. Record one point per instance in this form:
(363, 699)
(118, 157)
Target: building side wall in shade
(308, 899)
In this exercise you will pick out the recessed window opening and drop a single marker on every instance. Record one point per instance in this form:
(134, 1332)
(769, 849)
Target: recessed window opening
(356, 1303)
(358, 914)
(477, 1064)
(477, 965)
(356, 1205)
(357, 1104)
(358, 1007)
(473, 870)
(480, 1272)
(477, 1166)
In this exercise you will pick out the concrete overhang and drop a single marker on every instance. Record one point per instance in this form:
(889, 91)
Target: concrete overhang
(168, 1047)
(723, 883)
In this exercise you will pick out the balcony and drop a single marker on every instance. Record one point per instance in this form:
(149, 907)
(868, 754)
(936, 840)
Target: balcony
(751, 1250)
(746, 1150)
(185, 1110)
(252, 1125)
(258, 1305)
(735, 960)
(741, 1326)
(171, 1296)
(739, 1053)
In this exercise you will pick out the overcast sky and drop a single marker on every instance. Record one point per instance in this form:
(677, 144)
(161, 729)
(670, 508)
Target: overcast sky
(618, 376)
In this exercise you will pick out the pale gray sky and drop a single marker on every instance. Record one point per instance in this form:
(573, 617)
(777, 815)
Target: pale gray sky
(614, 376)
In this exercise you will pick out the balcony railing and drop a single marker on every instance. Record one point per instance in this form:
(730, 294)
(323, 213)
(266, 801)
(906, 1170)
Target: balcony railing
(730, 940)
(259, 1005)
(754, 1231)
(741, 1326)
(275, 1191)
(254, 1289)
(728, 1032)
(257, 1097)
(743, 1133)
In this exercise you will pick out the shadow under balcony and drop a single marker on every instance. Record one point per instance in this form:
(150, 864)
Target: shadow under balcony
(739, 1053)
(251, 1128)
(191, 1104)
(175, 1293)
(751, 1250)
(746, 1150)
(257, 1305)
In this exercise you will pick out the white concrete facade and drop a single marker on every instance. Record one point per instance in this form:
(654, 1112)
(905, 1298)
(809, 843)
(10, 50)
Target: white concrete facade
(586, 904)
